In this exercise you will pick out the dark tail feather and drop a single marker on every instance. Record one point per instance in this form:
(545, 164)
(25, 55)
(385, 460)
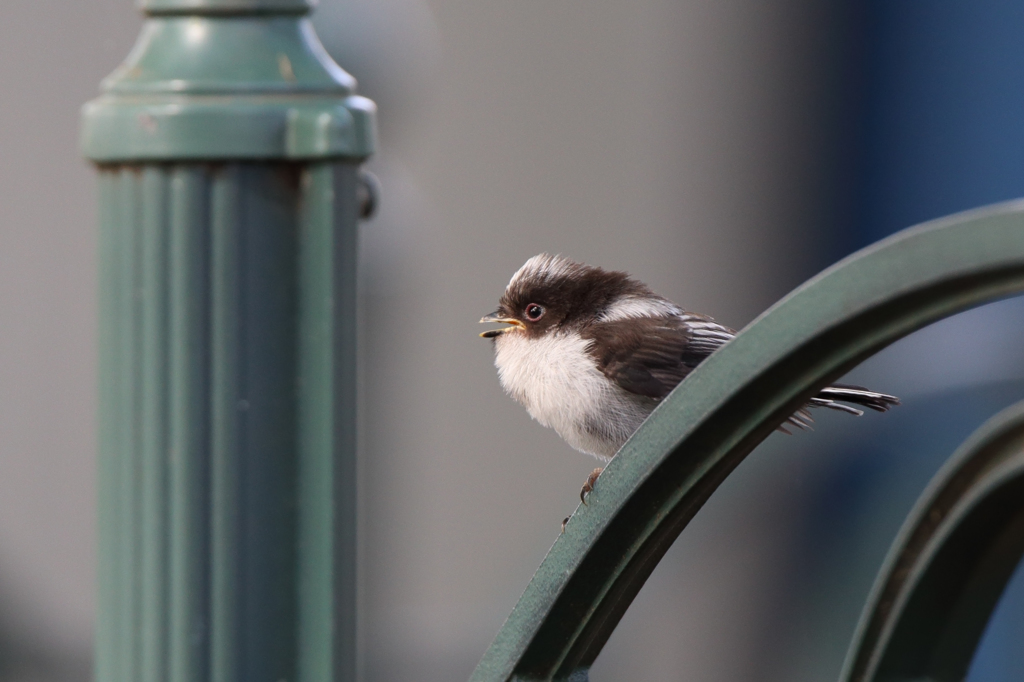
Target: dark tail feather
(801, 419)
(858, 395)
(834, 398)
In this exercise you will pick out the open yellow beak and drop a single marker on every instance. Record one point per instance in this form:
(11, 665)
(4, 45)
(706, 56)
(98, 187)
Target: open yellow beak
(497, 317)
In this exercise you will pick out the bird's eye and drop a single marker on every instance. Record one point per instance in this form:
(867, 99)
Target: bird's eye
(534, 312)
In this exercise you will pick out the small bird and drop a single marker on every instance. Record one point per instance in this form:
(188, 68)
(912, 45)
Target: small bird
(591, 352)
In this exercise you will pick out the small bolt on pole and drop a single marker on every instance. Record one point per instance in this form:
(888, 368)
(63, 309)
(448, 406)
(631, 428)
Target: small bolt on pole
(228, 148)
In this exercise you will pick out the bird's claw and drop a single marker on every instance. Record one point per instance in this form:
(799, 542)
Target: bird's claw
(589, 485)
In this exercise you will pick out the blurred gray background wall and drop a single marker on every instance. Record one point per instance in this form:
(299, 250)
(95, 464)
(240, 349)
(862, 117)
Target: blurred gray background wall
(690, 143)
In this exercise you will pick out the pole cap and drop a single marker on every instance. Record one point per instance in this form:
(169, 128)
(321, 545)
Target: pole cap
(218, 85)
(158, 7)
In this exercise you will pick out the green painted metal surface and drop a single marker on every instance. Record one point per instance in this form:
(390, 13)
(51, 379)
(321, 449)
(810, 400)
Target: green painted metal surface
(703, 430)
(227, 458)
(206, 85)
(228, 150)
(949, 565)
(225, 7)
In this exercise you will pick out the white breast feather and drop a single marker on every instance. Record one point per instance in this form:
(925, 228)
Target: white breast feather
(560, 385)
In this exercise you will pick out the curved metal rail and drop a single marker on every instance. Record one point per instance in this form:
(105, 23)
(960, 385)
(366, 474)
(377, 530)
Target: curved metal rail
(724, 409)
(949, 564)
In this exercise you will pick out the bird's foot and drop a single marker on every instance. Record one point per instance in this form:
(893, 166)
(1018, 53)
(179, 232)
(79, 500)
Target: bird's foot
(589, 485)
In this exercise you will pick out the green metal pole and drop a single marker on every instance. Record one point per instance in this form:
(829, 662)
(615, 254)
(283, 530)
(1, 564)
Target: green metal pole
(228, 146)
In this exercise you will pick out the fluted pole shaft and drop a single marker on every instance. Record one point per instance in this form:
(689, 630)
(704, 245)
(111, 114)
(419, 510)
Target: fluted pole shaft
(228, 150)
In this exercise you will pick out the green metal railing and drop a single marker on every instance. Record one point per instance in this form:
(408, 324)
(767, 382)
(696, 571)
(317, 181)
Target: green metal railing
(228, 146)
(652, 489)
(949, 565)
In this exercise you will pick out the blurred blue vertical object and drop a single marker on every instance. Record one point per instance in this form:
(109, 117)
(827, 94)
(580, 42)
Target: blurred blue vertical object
(942, 95)
(927, 105)
(938, 91)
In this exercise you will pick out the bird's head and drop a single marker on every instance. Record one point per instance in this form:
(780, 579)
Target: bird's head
(552, 293)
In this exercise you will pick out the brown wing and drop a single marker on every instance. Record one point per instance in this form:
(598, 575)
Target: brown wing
(649, 356)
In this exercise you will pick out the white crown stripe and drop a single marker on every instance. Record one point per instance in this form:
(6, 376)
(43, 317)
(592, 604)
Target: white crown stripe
(544, 266)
